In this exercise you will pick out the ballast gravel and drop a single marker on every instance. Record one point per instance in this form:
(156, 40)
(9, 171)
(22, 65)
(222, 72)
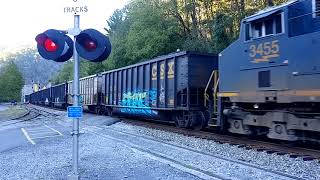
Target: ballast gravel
(281, 163)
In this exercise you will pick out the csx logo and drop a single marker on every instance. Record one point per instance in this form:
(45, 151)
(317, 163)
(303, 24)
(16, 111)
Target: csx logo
(170, 71)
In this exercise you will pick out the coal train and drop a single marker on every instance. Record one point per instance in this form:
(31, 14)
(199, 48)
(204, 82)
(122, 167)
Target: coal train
(265, 83)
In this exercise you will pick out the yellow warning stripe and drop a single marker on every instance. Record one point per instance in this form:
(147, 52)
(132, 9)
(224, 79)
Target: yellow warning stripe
(300, 93)
(228, 94)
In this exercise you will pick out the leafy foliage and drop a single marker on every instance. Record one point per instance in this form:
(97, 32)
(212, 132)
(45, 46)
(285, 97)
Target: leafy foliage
(148, 28)
(11, 83)
(32, 66)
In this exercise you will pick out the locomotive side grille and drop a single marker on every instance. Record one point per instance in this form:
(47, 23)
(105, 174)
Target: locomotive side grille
(264, 79)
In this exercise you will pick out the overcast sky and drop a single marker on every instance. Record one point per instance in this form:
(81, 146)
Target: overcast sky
(22, 20)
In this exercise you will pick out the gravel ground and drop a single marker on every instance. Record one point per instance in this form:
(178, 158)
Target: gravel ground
(285, 164)
(100, 159)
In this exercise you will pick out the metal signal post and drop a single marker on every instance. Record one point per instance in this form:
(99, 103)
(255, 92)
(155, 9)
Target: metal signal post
(75, 132)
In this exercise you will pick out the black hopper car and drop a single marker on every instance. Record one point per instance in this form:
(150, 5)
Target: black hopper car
(169, 88)
(265, 83)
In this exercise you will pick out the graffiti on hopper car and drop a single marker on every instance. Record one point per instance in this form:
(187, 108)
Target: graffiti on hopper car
(140, 101)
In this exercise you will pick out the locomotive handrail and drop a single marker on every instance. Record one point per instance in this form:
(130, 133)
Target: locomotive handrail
(216, 86)
(214, 76)
(215, 96)
(206, 96)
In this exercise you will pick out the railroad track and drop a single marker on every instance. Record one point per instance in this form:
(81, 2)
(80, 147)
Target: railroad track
(42, 111)
(32, 113)
(307, 154)
(154, 149)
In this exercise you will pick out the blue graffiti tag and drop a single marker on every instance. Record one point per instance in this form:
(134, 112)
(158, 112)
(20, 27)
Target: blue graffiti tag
(141, 99)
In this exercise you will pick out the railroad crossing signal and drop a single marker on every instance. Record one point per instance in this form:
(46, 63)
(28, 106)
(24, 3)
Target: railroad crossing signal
(55, 45)
(93, 45)
(58, 46)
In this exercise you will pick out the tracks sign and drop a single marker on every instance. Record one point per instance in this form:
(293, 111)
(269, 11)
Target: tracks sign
(75, 7)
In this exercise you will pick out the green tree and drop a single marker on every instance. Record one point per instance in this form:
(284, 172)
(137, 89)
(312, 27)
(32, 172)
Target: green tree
(147, 28)
(151, 32)
(118, 28)
(66, 73)
(141, 30)
(11, 83)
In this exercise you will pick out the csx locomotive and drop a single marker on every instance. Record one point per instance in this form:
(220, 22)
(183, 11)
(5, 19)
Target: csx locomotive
(265, 83)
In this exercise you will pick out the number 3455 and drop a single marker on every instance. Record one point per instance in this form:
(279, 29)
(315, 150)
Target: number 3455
(264, 49)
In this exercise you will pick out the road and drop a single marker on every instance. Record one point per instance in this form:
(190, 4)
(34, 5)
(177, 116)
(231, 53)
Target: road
(3, 107)
(28, 129)
(12, 138)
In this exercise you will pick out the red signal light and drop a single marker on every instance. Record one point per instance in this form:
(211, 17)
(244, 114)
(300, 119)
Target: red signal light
(90, 45)
(50, 46)
(55, 45)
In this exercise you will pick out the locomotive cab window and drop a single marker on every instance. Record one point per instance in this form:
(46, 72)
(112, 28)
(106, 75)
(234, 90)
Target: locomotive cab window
(266, 27)
(257, 29)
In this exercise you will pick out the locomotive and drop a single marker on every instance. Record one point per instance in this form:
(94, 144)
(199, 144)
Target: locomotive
(269, 77)
(265, 83)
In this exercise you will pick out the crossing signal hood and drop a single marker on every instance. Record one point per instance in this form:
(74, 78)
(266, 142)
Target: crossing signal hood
(54, 45)
(93, 45)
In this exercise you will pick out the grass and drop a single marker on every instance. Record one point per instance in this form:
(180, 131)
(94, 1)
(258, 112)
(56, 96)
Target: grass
(12, 112)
